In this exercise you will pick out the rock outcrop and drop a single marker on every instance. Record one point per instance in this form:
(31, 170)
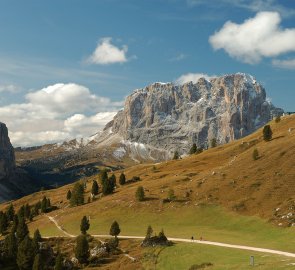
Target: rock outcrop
(172, 117)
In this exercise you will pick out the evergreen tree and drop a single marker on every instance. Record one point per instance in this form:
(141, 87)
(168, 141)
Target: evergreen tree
(113, 181)
(115, 229)
(22, 230)
(267, 133)
(27, 210)
(38, 263)
(213, 143)
(84, 226)
(193, 149)
(37, 207)
(59, 262)
(176, 155)
(94, 188)
(108, 186)
(10, 212)
(103, 176)
(77, 194)
(149, 232)
(3, 222)
(44, 205)
(36, 239)
(82, 249)
(140, 194)
(25, 254)
(21, 212)
(122, 179)
(48, 205)
(14, 224)
(255, 154)
(10, 246)
(69, 195)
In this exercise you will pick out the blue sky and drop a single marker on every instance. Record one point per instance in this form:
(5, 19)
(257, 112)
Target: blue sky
(55, 69)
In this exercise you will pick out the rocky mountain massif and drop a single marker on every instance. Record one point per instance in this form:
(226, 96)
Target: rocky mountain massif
(170, 117)
(14, 182)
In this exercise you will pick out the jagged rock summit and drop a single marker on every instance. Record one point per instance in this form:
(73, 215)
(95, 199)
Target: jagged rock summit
(171, 117)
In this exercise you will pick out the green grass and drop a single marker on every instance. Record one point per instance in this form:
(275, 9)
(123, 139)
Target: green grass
(182, 256)
(212, 223)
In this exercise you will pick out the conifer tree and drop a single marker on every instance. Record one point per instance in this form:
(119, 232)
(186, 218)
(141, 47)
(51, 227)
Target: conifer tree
(255, 154)
(193, 149)
(82, 249)
(103, 176)
(25, 254)
(38, 263)
(267, 133)
(21, 212)
(36, 239)
(84, 226)
(44, 205)
(94, 188)
(113, 180)
(77, 197)
(10, 212)
(115, 229)
(149, 232)
(69, 195)
(176, 155)
(14, 224)
(122, 179)
(213, 143)
(140, 194)
(3, 222)
(59, 262)
(10, 246)
(48, 205)
(27, 210)
(22, 230)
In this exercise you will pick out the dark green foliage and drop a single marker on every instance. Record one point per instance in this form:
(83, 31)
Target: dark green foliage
(10, 244)
(27, 210)
(200, 266)
(69, 195)
(176, 155)
(94, 188)
(37, 208)
(14, 224)
(140, 194)
(3, 222)
(44, 205)
(21, 212)
(193, 149)
(82, 249)
(84, 226)
(255, 154)
(36, 239)
(157, 240)
(135, 179)
(103, 176)
(213, 143)
(113, 181)
(108, 186)
(122, 179)
(115, 229)
(113, 243)
(149, 232)
(267, 133)
(77, 194)
(10, 212)
(38, 265)
(22, 230)
(59, 262)
(171, 195)
(25, 254)
(48, 205)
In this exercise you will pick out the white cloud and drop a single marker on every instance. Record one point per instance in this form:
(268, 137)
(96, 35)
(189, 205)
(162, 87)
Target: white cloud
(56, 113)
(287, 64)
(255, 38)
(191, 77)
(10, 88)
(107, 53)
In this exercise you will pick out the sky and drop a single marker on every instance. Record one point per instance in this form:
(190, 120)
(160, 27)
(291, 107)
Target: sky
(66, 66)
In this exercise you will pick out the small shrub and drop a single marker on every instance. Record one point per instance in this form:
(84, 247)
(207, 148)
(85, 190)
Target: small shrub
(200, 266)
(278, 119)
(267, 133)
(140, 194)
(255, 154)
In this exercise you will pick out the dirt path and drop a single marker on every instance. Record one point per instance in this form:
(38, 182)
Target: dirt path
(183, 240)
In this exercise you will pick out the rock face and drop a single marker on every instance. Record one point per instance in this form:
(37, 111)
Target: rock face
(172, 117)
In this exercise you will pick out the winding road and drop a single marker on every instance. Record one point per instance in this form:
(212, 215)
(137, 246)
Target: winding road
(183, 240)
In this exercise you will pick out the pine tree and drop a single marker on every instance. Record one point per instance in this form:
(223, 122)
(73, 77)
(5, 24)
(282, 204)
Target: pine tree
(59, 262)
(37, 207)
(38, 263)
(149, 232)
(10, 212)
(3, 222)
(115, 229)
(69, 195)
(36, 240)
(44, 205)
(21, 212)
(94, 189)
(25, 254)
(27, 211)
(113, 181)
(176, 155)
(84, 226)
(14, 224)
(213, 143)
(48, 205)
(255, 154)
(267, 133)
(22, 230)
(140, 194)
(103, 176)
(77, 194)
(10, 246)
(82, 249)
(193, 149)
(122, 179)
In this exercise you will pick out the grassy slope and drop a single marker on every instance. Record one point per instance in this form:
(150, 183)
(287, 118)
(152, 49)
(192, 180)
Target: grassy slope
(226, 176)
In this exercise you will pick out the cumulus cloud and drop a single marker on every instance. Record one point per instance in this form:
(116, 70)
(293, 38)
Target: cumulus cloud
(192, 77)
(287, 64)
(107, 53)
(255, 38)
(56, 113)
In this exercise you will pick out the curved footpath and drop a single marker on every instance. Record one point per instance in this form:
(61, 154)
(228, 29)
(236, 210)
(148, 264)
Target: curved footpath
(183, 240)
